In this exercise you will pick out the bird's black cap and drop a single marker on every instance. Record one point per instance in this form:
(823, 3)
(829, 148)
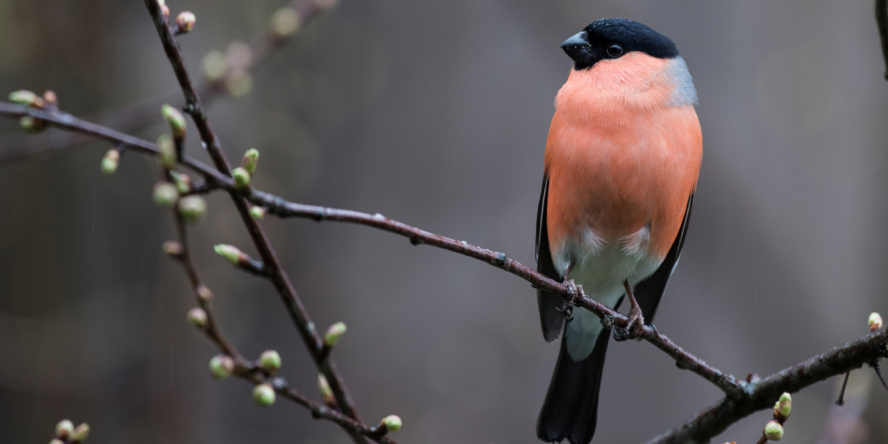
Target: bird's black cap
(610, 38)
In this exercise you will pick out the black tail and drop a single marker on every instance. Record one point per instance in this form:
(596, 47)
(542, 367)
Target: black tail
(571, 406)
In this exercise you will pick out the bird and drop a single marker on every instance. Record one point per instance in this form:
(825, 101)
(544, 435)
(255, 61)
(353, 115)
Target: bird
(622, 159)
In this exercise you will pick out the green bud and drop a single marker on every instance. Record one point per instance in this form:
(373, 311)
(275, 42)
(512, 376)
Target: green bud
(285, 22)
(250, 160)
(110, 161)
(241, 178)
(185, 21)
(875, 321)
(198, 317)
(80, 433)
(165, 194)
(221, 366)
(774, 431)
(175, 119)
(783, 406)
(214, 66)
(25, 97)
(270, 361)
(192, 208)
(167, 150)
(392, 423)
(334, 334)
(230, 252)
(32, 124)
(182, 181)
(257, 212)
(263, 394)
(326, 391)
(64, 429)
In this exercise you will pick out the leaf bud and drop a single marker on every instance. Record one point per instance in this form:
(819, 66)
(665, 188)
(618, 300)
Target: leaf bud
(165, 194)
(192, 208)
(392, 423)
(221, 366)
(783, 407)
(175, 119)
(875, 321)
(774, 431)
(25, 97)
(230, 252)
(110, 161)
(270, 361)
(167, 151)
(198, 317)
(263, 394)
(80, 433)
(250, 160)
(257, 212)
(64, 429)
(334, 334)
(241, 178)
(185, 21)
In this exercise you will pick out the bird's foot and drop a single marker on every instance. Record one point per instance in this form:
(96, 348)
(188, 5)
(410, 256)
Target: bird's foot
(633, 329)
(567, 303)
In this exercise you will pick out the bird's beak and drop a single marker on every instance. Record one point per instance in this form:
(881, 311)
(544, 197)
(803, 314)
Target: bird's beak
(577, 47)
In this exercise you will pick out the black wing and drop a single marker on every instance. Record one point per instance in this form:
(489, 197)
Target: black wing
(551, 319)
(649, 291)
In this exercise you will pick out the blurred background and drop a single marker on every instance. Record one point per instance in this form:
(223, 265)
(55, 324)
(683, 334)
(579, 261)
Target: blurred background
(435, 114)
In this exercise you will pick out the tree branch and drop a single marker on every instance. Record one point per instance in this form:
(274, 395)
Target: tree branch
(742, 398)
(245, 369)
(761, 395)
(275, 272)
(280, 207)
(143, 112)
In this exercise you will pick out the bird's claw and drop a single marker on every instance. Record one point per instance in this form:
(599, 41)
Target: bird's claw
(633, 329)
(567, 303)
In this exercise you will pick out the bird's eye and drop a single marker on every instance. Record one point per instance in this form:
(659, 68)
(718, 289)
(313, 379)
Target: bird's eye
(614, 50)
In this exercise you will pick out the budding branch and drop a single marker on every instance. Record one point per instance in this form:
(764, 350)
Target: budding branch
(741, 399)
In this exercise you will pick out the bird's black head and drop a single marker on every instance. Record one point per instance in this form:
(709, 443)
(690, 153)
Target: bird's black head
(612, 38)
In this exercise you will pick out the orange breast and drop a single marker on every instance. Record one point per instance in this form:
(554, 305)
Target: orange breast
(620, 161)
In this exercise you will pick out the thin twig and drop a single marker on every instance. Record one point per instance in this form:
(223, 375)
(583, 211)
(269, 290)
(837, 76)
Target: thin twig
(144, 112)
(245, 369)
(762, 394)
(275, 272)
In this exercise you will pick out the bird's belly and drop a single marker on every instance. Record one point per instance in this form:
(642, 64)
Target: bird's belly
(602, 272)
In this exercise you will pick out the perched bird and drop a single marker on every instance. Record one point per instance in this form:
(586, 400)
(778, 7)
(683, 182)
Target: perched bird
(621, 166)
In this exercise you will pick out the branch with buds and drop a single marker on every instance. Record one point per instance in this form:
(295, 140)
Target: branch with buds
(226, 73)
(181, 194)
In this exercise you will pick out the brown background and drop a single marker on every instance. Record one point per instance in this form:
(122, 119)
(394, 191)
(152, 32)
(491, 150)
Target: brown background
(434, 113)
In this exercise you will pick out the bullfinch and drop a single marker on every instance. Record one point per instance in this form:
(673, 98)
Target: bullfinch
(621, 165)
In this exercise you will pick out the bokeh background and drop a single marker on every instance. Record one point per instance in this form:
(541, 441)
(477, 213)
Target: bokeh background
(433, 113)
